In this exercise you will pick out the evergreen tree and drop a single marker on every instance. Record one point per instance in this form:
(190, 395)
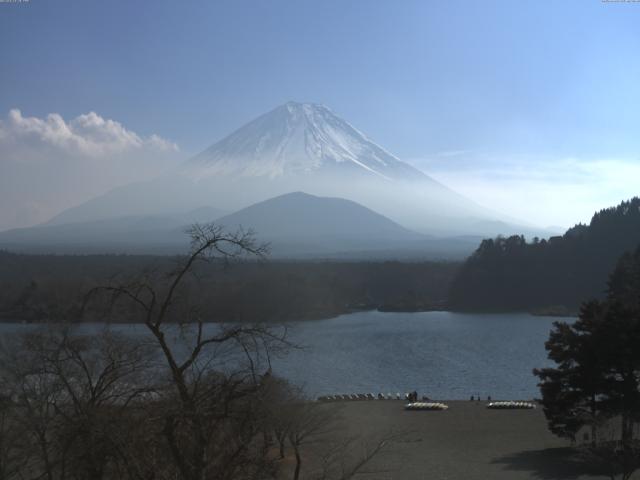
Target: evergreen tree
(570, 391)
(597, 375)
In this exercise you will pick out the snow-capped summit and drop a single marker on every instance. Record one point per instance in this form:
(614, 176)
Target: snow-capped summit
(298, 139)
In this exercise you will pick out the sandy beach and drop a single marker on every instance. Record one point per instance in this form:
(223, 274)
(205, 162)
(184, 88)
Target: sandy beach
(467, 441)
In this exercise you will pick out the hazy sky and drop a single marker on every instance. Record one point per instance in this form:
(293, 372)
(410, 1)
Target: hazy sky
(531, 108)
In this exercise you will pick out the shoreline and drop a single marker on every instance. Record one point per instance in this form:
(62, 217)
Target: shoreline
(329, 316)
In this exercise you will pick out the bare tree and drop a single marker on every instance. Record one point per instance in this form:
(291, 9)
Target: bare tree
(11, 437)
(316, 435)
(186, 400)
(344, 458)
(307, 421)
(68, 396)
(209, 416)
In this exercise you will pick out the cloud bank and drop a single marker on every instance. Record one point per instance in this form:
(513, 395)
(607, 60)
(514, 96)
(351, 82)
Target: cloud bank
(541, 190)
(49, 164)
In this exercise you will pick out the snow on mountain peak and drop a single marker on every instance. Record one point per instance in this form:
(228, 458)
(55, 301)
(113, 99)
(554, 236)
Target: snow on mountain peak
(298, 139)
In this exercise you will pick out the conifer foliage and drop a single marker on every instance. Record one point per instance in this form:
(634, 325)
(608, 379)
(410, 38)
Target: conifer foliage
(596, 381)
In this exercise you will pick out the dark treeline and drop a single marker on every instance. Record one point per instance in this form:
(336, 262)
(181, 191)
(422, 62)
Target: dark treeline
(33, 286)
(548, 275)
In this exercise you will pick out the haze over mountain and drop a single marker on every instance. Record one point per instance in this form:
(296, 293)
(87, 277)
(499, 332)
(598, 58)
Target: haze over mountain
(299, 147)
(126, 234)
(296, 225)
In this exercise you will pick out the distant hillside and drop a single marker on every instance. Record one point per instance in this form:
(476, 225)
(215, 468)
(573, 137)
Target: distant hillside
(297, 225)
(512, 274)
(137, 233)
(319, 224)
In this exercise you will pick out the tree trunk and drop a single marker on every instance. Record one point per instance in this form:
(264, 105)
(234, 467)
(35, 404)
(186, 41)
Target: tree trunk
(626, 434)
(296, 473)
(594, 427)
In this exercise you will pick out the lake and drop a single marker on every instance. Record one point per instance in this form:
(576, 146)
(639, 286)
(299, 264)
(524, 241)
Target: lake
(440, 354)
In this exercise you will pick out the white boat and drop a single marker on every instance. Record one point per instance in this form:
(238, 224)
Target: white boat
(511, 405)
(425, 406)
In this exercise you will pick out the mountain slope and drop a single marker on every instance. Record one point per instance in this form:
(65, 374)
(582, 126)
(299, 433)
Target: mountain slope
(511, 274)
(299, 215)
(299, 139)
(299, 225)
(130, 234)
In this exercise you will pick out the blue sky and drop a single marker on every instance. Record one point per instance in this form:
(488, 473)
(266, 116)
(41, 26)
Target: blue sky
(509, 102)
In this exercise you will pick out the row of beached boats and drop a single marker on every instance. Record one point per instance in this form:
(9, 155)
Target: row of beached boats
(424, 405)
(511, 405)
(360, 396)
(504, 405)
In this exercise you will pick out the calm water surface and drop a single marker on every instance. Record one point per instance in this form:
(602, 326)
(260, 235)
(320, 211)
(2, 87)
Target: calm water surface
(440, 354)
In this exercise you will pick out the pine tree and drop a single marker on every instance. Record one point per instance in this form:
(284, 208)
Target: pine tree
(597, 375)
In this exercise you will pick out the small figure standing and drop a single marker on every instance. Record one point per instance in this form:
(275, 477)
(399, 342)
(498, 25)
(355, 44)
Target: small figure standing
(471, 399)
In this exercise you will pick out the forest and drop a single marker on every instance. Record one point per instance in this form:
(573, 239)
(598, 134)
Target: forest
(33, 287)
(547, 276)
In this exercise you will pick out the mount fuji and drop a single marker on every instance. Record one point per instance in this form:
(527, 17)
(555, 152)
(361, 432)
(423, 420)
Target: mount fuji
(299, 139)
(298, 147)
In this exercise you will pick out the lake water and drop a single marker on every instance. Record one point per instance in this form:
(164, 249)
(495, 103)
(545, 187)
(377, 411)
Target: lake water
(440, 354)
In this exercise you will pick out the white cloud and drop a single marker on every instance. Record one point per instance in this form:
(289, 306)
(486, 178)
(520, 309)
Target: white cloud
(87, 134)
(538, 189)
(49, 164)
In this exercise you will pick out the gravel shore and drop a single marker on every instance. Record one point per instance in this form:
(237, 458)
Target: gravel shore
(467, 441)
